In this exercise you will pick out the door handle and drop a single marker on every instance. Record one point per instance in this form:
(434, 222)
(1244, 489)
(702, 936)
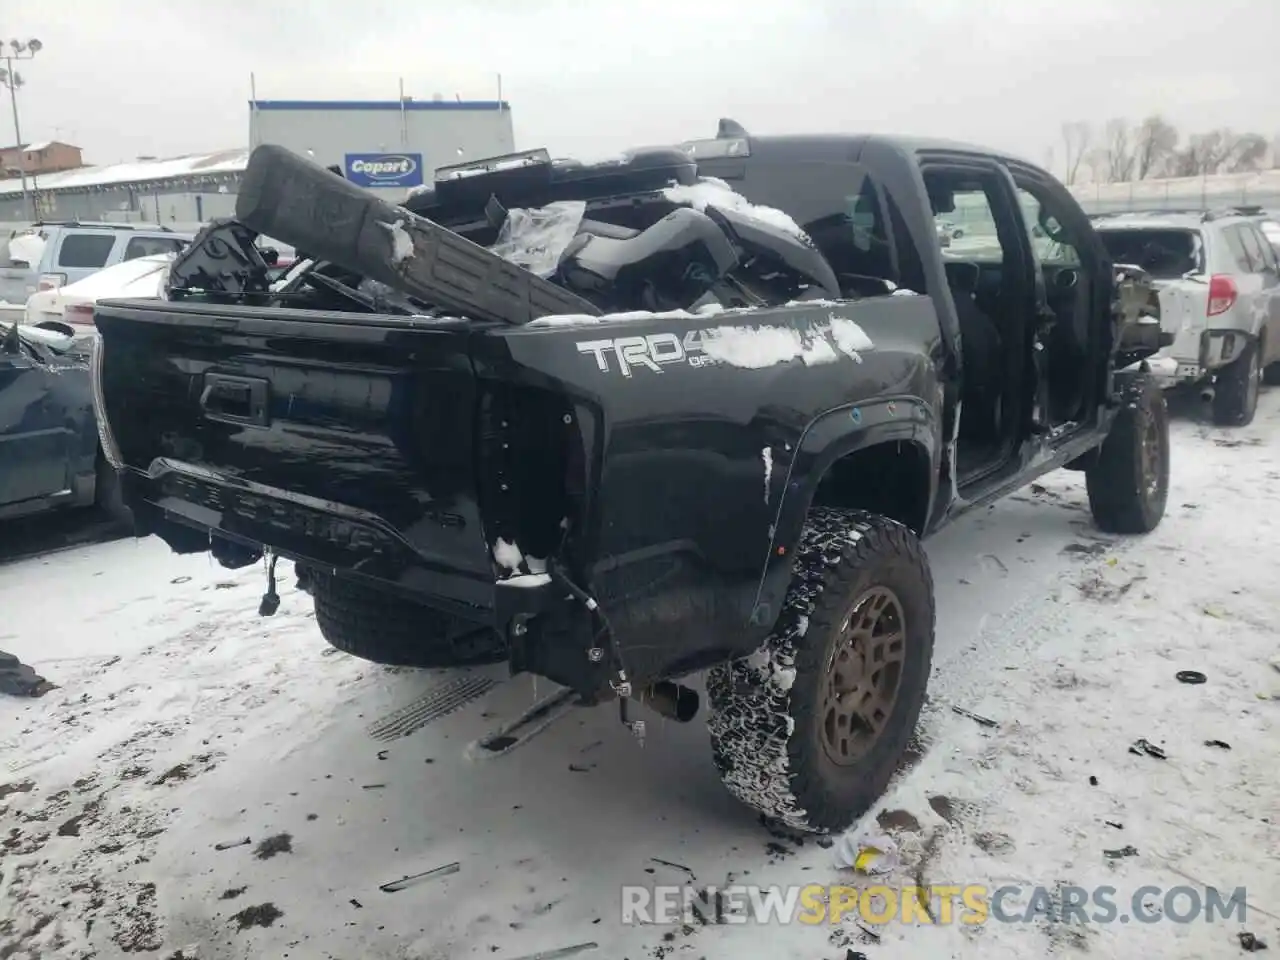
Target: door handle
(232, 399)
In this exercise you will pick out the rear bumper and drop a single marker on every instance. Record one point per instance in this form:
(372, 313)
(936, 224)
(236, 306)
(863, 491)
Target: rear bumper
(191, 508)
(1214, 350)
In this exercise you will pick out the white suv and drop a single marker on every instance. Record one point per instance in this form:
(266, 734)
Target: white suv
(1218, 280)
(65, 252)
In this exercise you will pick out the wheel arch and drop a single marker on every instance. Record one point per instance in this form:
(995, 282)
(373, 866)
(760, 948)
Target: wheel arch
(881, 456)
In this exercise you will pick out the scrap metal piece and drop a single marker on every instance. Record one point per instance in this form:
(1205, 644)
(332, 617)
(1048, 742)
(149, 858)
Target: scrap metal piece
(286, 196)
(395, 886)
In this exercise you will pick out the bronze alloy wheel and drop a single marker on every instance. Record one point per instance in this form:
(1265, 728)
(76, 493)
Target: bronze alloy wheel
(812, 736)
(863, 676)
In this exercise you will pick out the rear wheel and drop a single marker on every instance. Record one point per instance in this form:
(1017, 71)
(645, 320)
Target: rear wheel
(1235, 394)
(1271, 374)
(1128, 479)
(388, 629)
(810, 729)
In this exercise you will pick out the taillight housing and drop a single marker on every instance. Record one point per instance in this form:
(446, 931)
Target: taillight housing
(51, 281)
(1222, 294)
(79, 314)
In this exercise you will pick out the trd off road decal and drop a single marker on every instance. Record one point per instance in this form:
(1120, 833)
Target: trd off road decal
(653, 351)
(748, 347)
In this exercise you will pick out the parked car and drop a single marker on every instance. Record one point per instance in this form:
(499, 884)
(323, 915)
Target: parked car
(50, 457)
(661, 425)
(1218, 282)
(71, 306)
(50, 254)
(949, 230)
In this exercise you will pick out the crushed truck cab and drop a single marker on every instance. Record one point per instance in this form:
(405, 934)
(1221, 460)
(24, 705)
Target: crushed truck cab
(617, 424)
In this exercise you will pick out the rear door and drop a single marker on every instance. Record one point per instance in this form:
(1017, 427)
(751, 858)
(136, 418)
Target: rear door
(34, 439)
(1254, 288)
(1263, 257)
(81, 252)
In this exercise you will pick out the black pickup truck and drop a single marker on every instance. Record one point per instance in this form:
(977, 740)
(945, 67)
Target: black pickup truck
(620, 423)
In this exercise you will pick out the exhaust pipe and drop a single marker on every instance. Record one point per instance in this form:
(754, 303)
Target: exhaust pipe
(1206, 394)
(672, 700)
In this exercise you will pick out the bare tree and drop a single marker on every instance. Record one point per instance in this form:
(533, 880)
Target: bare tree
(1204, 154)
(1155, 143)
(1098, 162)
(1152, 150)
(1076, 138)
(1248, 153)
(1117, 159)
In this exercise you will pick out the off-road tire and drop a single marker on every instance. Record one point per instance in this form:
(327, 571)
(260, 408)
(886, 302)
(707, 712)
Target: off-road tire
(766, 710)
(107, 495)
(1235, 389)
(390, 630)
(1128, 480)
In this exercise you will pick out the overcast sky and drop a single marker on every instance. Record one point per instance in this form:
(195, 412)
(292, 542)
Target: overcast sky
(123, 78)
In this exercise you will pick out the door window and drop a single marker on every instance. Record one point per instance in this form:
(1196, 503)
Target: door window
(841, 208)
(150, 246)
(852, 235)
(966, 209)
(1253, 248)
(85, 250)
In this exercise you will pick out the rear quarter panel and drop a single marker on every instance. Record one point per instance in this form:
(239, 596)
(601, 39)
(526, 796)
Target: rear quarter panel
(703, 440)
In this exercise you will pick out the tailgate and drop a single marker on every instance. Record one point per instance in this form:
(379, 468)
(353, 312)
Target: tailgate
(1184, 306)
(345, 440)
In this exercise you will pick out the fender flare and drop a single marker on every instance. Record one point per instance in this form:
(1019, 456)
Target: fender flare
(829, 437)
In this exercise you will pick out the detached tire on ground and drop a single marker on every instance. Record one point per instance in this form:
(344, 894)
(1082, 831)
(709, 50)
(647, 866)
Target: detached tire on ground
(1128, 480)
(390, 630)
(1236, 387)
(810, 729)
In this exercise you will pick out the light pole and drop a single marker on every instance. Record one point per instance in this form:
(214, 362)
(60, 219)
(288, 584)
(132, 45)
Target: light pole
(9, 77)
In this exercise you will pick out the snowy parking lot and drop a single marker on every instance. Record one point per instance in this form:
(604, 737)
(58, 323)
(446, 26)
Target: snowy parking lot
(206, 783)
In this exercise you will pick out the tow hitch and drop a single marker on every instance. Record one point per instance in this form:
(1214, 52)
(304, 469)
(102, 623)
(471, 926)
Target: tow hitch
(271, 599)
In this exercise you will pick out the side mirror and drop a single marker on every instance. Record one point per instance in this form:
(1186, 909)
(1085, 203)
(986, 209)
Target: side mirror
(1050, 227)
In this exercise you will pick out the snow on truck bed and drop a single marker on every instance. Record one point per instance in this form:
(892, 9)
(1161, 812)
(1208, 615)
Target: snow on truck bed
(209, 782)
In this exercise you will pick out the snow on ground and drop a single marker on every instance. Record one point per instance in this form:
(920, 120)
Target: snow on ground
(205, 783)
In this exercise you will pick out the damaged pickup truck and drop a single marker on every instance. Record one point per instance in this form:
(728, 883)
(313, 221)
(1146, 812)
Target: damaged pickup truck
(620, 423)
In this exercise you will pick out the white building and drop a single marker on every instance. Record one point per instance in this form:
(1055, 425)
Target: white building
(389, 146)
